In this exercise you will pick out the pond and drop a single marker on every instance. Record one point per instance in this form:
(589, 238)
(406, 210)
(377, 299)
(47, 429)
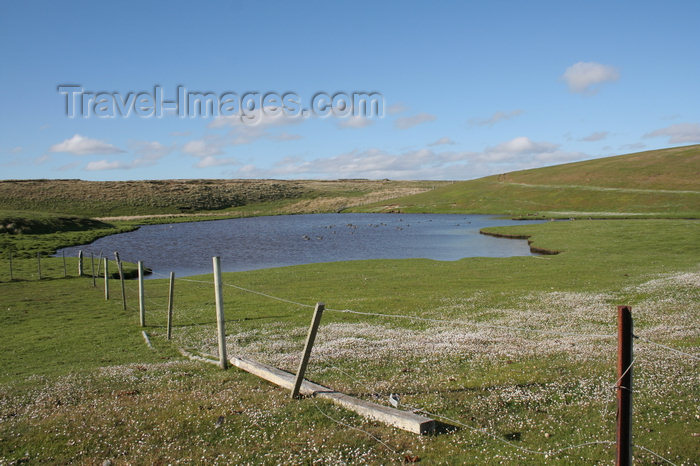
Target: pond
(262, 242)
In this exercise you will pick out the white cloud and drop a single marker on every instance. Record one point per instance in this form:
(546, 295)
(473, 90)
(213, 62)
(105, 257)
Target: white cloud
(149, 152)
(207, 150)
(595, 136)
(80, 145)
(517, 147)
(42, 159)
(519, 153)
(415, 120)
(354, 122)
(286, 137)
(679, 133)
(633, 146)
(104, 165)
(263, 128)
(68, 166)
(495, 118)
(257, 120)
(396, 108)
(442, 141)
(202, 148)
(582, 77)
(16, 150)
(210, 161)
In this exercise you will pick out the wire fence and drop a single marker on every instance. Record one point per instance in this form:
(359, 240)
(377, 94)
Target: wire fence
(192, 316)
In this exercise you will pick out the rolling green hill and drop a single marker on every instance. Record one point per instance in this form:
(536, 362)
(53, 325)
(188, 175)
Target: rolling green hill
(659, 183)
(185, 197)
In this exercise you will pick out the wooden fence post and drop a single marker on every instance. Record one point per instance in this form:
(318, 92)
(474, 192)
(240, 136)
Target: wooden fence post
(92, 261)
(170, 305)
(11, 275)
(65, 271)
(80, 263)
(624, 386)
(142, 305)
(310, 338)
(220, 324)
(106, 267)
(121, 278)
(99, 264)
(38, 262)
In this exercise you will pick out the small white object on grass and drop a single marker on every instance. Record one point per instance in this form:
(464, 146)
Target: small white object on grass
(394, 400)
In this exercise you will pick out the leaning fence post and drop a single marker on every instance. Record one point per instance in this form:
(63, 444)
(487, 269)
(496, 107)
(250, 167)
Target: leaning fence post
(80, 263)
(315, 321)
(170, 305)
(142, 305)
(624, 386)
(38, 262)
(220, 324)
(121, 278)
(65, 271)
(92, 261)
(106, 278)
(11, 276)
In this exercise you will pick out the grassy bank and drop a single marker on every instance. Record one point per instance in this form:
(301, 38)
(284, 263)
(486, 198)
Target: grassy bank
(24, 234)
(660, 183)
(80, 385)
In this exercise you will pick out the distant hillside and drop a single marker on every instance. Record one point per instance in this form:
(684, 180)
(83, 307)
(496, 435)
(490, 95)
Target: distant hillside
(659, 183)
(31, 223)
(132, 198)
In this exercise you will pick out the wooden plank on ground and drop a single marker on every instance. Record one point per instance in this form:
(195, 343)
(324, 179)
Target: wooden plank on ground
(405, 420)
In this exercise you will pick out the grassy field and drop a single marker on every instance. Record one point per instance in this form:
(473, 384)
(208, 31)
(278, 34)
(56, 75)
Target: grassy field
(178, 197)
(659, 183)
(517, 355)
(80, 385)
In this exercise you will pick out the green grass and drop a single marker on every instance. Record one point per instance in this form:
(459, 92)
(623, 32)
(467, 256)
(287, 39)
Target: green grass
(24, 234)
(660, 183)
(79, 384)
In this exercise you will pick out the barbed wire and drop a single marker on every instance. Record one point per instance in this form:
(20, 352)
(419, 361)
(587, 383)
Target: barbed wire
(354, 428)
(646, 340)
(653, 453)
(476, 324)
(435, 320)
(438, 321)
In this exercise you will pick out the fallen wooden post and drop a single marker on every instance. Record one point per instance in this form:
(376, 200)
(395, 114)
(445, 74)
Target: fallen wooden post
(194, 357)
(405, 420)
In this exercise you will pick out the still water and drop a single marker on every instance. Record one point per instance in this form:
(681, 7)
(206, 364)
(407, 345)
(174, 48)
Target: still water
(261, 242)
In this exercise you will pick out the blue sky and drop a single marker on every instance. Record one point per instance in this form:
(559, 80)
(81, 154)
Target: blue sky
(469, 88)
